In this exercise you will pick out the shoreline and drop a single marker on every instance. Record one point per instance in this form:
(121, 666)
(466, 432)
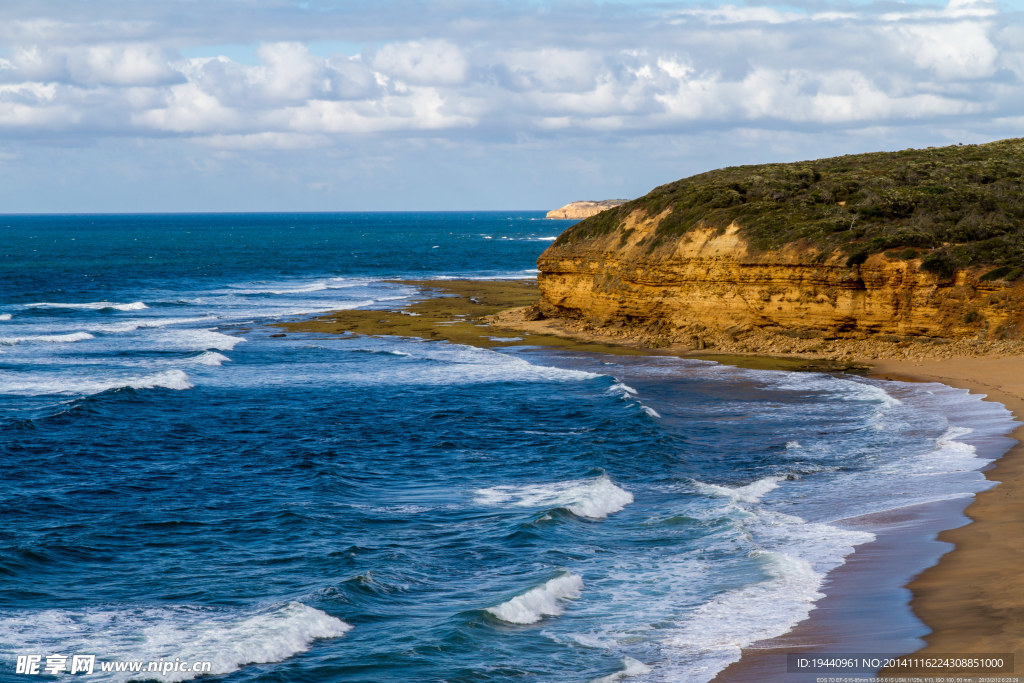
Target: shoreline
(973, 598)
(970, 597)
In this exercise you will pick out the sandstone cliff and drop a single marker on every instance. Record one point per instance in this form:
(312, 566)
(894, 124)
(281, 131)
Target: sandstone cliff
(623, 271)
(580, 210)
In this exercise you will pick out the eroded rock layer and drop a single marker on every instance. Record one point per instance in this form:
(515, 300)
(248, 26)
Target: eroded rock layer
(712, 281)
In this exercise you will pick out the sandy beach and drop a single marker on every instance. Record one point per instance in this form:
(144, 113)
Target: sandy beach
(970, 598)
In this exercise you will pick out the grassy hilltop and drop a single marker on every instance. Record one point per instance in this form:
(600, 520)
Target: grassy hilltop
(952, 207)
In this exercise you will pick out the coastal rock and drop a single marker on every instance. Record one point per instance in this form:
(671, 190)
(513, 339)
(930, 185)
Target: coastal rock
(710, 282)
(887, 246)
(586, 209)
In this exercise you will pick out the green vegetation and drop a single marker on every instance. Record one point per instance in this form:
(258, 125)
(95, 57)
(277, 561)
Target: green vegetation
(953, 207)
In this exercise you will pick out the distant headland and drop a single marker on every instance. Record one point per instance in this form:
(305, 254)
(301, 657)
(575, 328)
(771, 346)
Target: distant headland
(585, 209)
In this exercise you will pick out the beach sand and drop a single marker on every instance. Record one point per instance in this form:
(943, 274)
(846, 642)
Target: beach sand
(970, 602)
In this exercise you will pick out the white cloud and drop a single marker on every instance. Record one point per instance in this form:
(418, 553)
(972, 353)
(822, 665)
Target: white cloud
(952, 50)
(188, 109)
(429, 62)
(504, 76)
(94, 65)
(549, 69)
(120, 65)
(291, 72)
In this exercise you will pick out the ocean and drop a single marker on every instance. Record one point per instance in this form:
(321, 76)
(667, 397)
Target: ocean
(182, 484)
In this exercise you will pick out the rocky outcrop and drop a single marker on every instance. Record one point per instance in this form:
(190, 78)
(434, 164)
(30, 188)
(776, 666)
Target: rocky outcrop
(581, 210)
(710, 281)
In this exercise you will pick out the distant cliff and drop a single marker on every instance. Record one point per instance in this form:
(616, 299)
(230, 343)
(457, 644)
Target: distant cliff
(921, 243)
(579, 210)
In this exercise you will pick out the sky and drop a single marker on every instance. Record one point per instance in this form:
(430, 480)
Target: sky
(352, 105)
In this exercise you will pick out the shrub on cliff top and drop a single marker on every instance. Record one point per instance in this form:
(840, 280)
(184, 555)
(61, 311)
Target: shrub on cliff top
(963, 205)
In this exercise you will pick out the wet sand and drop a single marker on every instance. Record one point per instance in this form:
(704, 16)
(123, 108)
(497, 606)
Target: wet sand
(970, 602)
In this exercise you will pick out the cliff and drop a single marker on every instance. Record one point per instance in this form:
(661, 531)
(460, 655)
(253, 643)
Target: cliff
(580, 210)
(674, 266)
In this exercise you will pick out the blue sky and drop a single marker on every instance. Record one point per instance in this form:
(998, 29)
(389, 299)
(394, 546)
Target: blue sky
(264, 105)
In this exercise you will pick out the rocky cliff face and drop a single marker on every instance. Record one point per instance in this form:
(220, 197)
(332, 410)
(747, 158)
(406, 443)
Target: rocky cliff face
(712, 282)
(581, 210)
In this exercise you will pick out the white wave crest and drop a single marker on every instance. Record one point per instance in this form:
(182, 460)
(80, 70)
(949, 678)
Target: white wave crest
(5, 316)
(591, 498)
(168, 379)
(622, 389)
(195, 340)
(630, 667)
(229, 640)
(297, 289)
(47, 338)
(649, 410)
(93, 305)
(146, 323)
(211, 358)
(751, 493)
(43, 385)
(800, 556)
(949, 455)
(722, 626)
(541, 601)
(458, 364)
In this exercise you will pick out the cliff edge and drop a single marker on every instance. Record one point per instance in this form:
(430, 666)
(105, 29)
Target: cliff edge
(913, 244)
(586, 209)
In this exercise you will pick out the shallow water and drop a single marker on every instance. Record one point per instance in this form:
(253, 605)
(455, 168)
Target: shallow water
(180, 484)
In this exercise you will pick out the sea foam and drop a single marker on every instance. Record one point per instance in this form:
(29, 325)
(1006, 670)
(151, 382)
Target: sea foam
(591, 498)
(545, 600)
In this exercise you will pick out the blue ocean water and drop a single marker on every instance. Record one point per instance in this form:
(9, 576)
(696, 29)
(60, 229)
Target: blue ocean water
(180, 484)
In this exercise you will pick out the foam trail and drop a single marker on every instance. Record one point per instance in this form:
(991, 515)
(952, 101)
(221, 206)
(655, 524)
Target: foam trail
(539, 602)
(229, 641)
(751, 493)
(649, 410)
(93, 306)
(48, 338)
(591, 498)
